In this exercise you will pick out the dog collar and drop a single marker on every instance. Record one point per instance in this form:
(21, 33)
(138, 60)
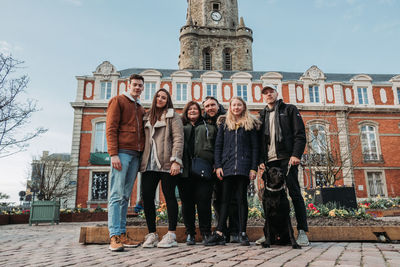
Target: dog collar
(275, 190)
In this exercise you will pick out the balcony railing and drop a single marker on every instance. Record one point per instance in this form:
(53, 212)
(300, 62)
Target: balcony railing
(372, 158)
(316, 159)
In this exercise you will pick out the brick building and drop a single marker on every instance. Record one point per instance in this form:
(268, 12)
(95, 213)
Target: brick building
(352, 120)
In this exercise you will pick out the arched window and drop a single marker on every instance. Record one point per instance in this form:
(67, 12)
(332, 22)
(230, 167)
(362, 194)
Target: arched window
(227, 59)
(100, 142)
(207, 59)
(369, 143)
(318, 139)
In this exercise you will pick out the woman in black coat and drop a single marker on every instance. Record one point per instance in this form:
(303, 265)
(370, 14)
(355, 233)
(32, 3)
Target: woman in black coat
(236, 155)
(196, 191)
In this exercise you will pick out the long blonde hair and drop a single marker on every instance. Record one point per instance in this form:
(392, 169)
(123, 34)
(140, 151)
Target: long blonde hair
(247, 121)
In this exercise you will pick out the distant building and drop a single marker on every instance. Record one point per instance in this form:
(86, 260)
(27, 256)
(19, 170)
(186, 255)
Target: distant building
(51, 175)
(351, 119)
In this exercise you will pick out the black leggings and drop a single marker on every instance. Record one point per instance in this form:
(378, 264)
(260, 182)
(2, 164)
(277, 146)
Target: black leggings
(195, 191)
(150, 180)
(234, 185)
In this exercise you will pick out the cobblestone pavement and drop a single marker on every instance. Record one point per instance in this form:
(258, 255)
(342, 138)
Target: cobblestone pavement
(47, 245)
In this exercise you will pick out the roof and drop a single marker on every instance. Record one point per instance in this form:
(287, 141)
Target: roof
(287, 76)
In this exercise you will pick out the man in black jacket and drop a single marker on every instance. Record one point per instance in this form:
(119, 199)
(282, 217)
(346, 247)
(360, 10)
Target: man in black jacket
(282, 143)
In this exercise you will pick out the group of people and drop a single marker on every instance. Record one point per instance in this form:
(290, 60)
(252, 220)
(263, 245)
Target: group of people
(166, 146)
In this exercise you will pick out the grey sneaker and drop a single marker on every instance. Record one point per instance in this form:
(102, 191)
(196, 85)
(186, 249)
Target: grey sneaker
(260, 240)
(302, 239)
(150, 241)
(168, 241)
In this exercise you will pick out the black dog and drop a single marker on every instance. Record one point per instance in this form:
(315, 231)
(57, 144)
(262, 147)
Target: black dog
(278, 227)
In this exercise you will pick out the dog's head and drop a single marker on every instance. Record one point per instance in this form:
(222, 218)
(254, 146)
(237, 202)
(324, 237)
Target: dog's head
(274, 177)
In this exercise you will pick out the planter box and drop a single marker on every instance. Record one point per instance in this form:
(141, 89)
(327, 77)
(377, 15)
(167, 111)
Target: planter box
(100, 235)
(342, 196)
(4, 219)
(383, 212)
(45, 211)
(19, 218)
(84, 217)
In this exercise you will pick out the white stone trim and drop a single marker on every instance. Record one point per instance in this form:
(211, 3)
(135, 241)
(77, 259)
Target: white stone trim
(345, 150)
(292, 93)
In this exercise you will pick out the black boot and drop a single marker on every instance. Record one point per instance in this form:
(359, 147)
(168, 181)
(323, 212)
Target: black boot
(215, 239)
(235, 238)
(205, 237)
(244, 240)
(190, 240)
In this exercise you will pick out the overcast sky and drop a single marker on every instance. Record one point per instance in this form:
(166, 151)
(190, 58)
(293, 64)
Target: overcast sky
(60, 39)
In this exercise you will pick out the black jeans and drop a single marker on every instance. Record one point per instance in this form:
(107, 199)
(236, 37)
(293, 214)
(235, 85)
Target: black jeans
(293, 186)
(150, 180)
(196, 191)
(234, 186)
(233, 216)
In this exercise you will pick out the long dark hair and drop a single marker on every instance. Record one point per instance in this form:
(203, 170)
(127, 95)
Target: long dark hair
(185, 119)
(154, 112)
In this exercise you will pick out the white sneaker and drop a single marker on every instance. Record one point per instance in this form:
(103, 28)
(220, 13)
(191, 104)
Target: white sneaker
(168, 241)
(302, 239)
(260, 240)
(150, 241)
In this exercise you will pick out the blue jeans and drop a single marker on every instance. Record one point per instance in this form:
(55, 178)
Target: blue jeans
(120, 191)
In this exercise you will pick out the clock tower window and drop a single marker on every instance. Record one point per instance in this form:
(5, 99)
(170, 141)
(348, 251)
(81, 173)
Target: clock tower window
(215, 6)
(207, 63)
(227, 57)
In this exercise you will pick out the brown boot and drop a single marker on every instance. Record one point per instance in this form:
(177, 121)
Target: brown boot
(115, 244)
(128, 242)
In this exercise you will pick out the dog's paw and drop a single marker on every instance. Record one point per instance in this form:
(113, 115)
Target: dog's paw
(265, 245)
(296, 246)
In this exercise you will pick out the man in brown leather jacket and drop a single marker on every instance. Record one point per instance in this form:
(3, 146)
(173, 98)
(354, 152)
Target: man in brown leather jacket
(125, 142)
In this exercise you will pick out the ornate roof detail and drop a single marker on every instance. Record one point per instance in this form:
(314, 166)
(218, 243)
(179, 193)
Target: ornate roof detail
(361, 78)
(314, 74)
(151, 72)
(272, 75)
(106, 69)
(395, 79)
(241, 75)
(211, 74)
(182, 73)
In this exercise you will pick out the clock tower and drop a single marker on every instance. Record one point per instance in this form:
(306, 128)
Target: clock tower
(214, 38)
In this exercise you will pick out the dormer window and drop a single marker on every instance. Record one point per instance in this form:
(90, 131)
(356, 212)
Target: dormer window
(362, 95)
(105, 90)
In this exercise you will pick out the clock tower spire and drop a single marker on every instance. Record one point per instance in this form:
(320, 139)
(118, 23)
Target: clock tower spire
(213, 38)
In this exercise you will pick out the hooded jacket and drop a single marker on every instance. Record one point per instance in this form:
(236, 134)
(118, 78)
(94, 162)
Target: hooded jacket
(293, 136)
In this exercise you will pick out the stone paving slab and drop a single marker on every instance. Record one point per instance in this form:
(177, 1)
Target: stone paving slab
(57, 245)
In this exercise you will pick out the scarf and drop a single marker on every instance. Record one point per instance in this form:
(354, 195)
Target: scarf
(278, 130)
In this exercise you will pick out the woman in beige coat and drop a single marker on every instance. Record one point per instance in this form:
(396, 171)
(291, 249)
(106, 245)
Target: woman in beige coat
(162, 160)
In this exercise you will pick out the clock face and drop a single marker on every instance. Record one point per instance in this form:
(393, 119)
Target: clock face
(216, 16)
